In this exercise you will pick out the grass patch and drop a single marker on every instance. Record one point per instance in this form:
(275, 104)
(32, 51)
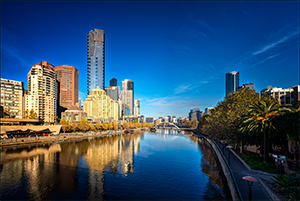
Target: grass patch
(258, 162)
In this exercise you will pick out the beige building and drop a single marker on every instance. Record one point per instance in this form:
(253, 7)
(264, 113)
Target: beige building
(98, 104)
(12, 97)
(73, 114)
(42, 91)
(284, 96)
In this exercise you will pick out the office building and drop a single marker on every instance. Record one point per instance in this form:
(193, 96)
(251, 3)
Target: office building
(127, 94)
(248, 85)
(113, 82)
(112, 92)
(98, 104)
(137, 107)
(232, 82)
(12, 97)
(68, 78)
(42, 91)
(95, 60)
(195, 114)
(284, 96)
(149, 120)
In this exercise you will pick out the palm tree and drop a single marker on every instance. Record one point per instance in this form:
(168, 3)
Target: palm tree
(260, 122)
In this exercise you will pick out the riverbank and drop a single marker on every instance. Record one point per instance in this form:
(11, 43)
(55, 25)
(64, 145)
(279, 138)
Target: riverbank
(62, 137)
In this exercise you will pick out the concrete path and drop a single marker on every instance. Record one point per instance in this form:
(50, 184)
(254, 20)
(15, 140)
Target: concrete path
(260, 191)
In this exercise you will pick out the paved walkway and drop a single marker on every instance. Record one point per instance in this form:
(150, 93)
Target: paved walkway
(239, 171)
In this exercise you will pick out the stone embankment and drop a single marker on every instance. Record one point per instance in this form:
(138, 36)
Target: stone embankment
(61, 137)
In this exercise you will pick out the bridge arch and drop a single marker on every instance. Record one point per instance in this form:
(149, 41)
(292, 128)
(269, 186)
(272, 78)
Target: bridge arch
(166, 123)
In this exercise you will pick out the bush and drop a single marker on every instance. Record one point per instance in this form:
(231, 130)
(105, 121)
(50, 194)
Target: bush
(289, 184)
(258, 162)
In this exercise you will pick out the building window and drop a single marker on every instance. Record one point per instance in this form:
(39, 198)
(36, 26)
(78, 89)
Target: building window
(76, 117)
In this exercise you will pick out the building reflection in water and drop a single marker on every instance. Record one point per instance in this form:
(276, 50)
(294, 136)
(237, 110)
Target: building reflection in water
(56, 167)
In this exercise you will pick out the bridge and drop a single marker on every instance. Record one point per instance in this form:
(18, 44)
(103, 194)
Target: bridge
(167, 125)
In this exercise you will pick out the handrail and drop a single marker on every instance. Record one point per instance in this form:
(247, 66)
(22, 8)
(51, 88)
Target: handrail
(231, 173)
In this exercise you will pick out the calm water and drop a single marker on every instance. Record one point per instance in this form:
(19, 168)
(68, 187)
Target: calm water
(142, 166)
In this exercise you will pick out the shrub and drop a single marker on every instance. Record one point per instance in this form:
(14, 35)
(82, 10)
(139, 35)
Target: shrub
(258, 162)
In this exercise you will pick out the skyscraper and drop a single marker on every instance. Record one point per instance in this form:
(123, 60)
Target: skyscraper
(137, 107)
(112, 92)
(68, 78)
(127, 95)
(232, 82)
(95, 60)
(113, 82)
(42, 91)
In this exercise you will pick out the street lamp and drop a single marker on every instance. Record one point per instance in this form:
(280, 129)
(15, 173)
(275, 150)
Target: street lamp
(229, 147)
(250, 181)
(281, 159)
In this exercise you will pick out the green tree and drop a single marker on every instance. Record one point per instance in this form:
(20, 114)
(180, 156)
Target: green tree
(74, 126)
(224, 119)
(65, 125)
(260, 123)
(98, 125)
(32, 114)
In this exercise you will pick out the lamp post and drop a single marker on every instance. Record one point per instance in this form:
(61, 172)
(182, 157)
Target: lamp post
(281, 159)
(223, 145)
(229, 147)
(250, 181)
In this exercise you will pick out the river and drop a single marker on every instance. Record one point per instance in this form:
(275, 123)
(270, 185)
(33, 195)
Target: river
(142, 166)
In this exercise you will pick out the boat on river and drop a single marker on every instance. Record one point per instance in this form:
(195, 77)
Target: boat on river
(129, 131)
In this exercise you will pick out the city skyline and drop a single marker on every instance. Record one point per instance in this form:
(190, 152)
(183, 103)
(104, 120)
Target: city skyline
(177, 56)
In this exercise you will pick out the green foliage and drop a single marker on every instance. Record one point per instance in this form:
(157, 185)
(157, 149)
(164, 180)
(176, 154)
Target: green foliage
(289, 184)
(224, 119)
(257, 162)
(260, 123)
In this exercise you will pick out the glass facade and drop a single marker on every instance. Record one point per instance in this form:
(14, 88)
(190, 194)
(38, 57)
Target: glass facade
(95, 60)
(232, 82)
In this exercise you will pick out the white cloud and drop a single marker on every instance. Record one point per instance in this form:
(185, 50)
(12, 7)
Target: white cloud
(275, 43)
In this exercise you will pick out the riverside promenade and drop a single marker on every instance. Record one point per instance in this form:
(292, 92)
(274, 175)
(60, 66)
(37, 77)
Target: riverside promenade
(260, 190)
(60, 137)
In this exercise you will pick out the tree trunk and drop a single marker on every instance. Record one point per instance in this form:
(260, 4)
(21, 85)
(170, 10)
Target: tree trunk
(262, 148)
(266, 147)
(242, 147)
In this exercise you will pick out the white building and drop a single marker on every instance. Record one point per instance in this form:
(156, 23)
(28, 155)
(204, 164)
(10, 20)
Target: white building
(137, 107)
(12, 97)
(127, 95)
(207, 110)
(284, 96)
(42, 91)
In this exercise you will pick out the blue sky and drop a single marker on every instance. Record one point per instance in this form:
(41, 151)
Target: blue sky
(176, 53)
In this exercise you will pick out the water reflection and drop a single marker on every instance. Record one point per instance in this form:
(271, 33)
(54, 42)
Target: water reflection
(95, 169)
(54, 167)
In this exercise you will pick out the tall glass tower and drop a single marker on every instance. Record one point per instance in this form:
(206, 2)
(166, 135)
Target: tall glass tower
(232, 82)
(95, 60)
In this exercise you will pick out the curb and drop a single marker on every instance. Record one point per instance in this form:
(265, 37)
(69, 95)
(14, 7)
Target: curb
(269, 191)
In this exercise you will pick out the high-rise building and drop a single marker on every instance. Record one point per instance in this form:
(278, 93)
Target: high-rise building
(136, 107)
(113, 92)
(113, 82)
(98, 104)
(95, 60)
(12, 97)
(247, 85)
(68, 78)
(232, 82)
(195, 114)
(42, 91)
(127, 94)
